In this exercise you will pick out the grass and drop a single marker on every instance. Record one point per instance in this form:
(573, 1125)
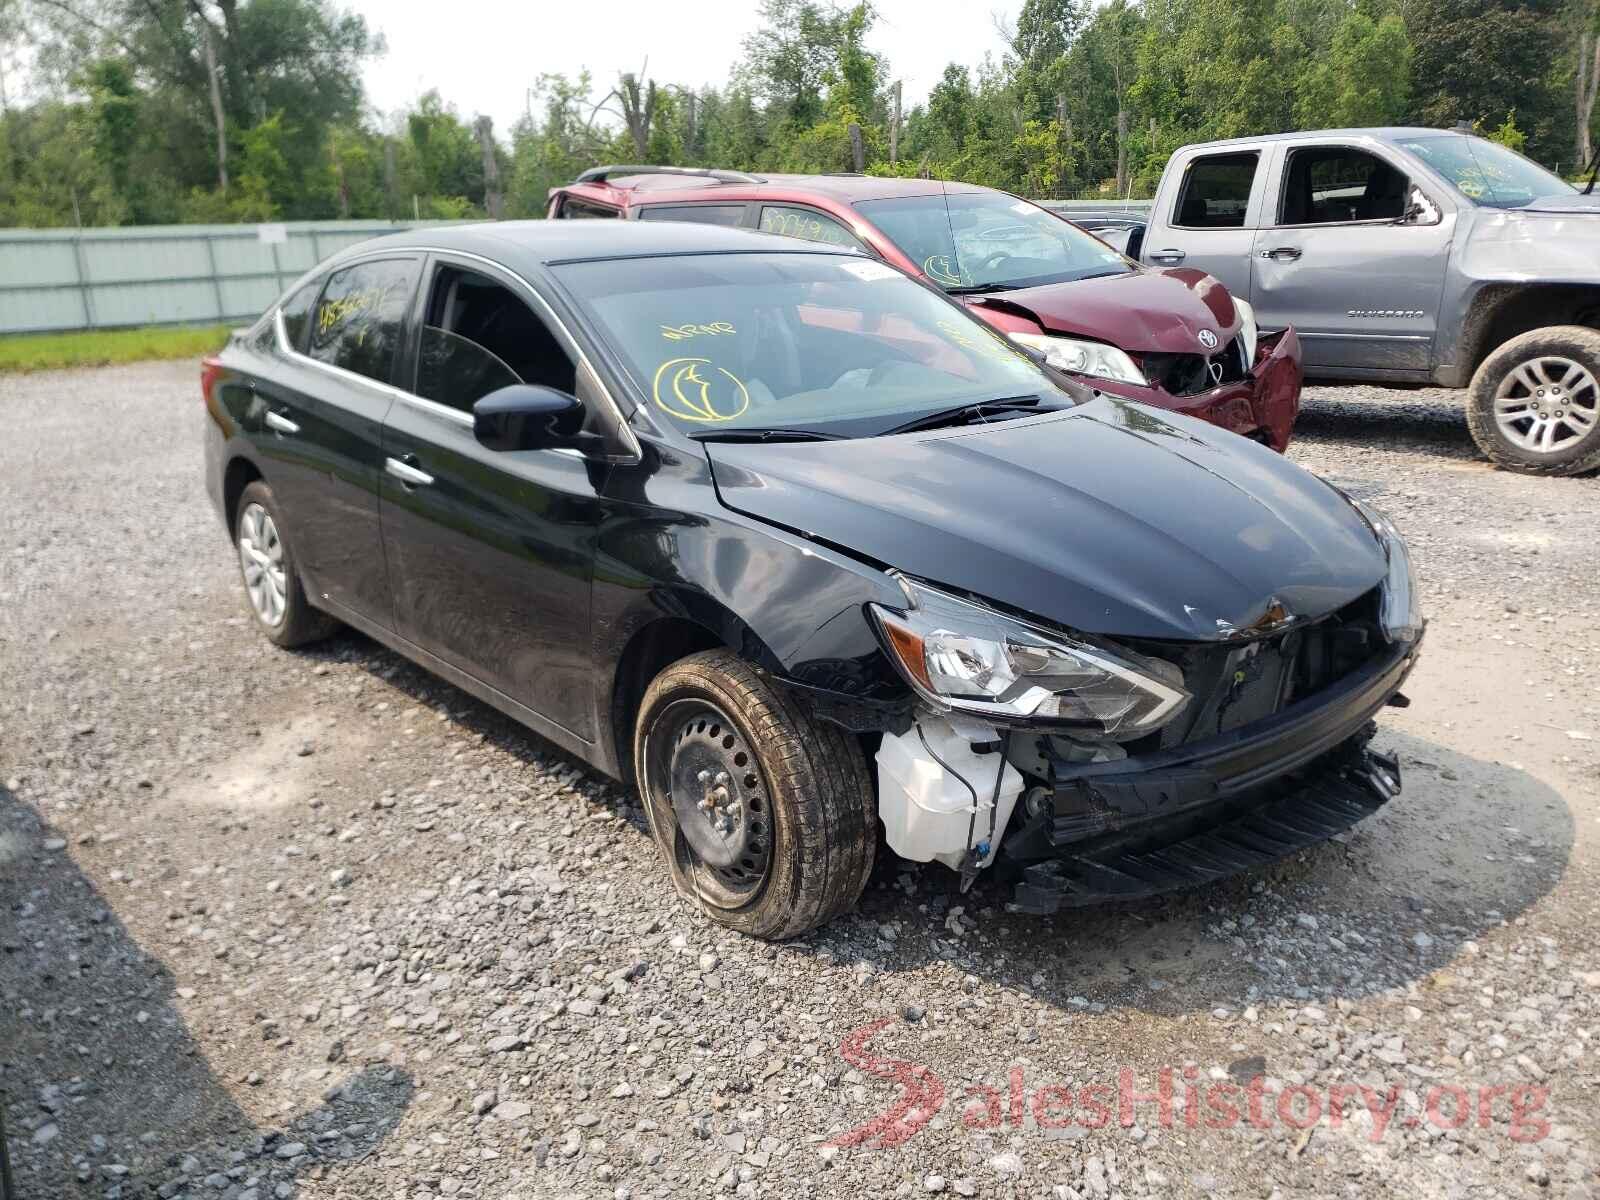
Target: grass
(106, 347)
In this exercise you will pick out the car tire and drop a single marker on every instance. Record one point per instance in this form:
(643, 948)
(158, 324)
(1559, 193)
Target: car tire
(273, 590)
(1534, 404)
(788, 842)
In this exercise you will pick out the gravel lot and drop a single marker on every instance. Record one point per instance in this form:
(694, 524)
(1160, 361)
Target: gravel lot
(316, 924)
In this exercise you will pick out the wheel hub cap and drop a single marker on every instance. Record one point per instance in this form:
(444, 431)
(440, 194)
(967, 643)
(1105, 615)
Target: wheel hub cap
(266, 580)
(718, 799)
(1547, 404)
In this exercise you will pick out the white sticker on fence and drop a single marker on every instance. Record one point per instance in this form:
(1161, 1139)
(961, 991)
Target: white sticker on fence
(274, 233)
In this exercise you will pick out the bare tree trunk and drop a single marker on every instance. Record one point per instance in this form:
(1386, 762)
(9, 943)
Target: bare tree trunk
(858, 148)
(388, 178)
(216, 106)
(1122, 151)
(344, 189)
(1588, 86)
(638, 110)
(491, 169)
(894, 127)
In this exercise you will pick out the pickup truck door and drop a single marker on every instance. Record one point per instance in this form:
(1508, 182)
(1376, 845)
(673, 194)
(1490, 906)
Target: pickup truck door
(1351, 251)
(1206, 212)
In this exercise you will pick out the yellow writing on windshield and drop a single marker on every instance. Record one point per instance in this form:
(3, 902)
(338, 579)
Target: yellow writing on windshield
(982, 342)
(677, 333)
(692, 389)
(940, 269)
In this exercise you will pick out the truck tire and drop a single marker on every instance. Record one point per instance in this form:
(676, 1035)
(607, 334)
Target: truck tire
(764, 812)
(1534, 404)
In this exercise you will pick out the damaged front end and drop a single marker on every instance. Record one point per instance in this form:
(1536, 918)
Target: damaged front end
(1086, 769)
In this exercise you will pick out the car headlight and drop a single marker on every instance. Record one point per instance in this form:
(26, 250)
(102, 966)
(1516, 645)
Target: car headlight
(1401, 611)
(1095, 359)
(1249, 332)
(964, 656)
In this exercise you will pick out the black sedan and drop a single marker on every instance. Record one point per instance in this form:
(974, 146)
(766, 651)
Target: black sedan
(800, 548)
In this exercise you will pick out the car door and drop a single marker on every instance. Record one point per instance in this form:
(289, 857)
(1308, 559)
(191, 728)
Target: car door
(491, 552)
(1352, 253)
(1207, 219)
(322, 413)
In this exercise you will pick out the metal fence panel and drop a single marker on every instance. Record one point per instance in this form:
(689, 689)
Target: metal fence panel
(61, 279)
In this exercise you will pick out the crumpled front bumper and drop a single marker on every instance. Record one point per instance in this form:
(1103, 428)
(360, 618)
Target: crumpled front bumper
(1193, 814)
(1263, 406)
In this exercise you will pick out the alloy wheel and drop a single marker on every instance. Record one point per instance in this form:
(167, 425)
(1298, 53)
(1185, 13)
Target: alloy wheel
(266, 580)
(1547, 404)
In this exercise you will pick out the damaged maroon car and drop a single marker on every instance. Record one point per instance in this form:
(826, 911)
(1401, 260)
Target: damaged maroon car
(1174, 339)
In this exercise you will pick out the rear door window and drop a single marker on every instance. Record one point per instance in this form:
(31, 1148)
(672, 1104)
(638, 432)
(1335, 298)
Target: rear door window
(1216, 191)
(704, 214)
(360, 318)
(807, 224)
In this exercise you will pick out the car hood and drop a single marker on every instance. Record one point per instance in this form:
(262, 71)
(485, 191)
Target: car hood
(1111, 518)
(1563, 203)
(1150, 311)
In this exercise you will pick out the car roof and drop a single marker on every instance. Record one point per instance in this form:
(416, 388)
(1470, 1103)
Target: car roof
(843, 189)
(1381, 133)
(529, 245)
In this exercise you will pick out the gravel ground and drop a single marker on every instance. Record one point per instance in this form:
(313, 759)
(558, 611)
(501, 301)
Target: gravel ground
(316, 924)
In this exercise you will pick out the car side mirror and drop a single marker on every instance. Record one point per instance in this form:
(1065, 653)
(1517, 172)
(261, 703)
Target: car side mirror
(1419, 209)
(523, 416)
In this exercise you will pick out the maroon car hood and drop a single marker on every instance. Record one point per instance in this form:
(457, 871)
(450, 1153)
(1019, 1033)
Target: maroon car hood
(1144, 311)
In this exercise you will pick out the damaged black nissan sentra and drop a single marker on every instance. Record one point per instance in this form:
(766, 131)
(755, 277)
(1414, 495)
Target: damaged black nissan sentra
(798, 546)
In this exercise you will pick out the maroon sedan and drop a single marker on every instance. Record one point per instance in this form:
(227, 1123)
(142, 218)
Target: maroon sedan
(1174, 339)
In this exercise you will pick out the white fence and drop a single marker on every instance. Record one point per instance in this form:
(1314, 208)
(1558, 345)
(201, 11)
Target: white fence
(56, 279)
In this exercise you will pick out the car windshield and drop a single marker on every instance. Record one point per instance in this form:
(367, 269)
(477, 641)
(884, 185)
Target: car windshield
(974, 240)
(805, 342)
(1486, 172)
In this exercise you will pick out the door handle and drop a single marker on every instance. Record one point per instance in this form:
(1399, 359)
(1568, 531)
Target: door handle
(281, 423)
(1167, 256)
(407, 474)
(1282, 253)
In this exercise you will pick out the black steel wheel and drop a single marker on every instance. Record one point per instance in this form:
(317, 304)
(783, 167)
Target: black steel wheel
(764, 813)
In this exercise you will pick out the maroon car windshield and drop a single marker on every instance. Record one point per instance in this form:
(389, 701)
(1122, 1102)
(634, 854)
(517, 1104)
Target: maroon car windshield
(980, 240)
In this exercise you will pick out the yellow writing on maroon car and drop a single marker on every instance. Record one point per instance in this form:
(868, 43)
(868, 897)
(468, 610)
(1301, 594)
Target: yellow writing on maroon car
(676, 333)
(692, 389)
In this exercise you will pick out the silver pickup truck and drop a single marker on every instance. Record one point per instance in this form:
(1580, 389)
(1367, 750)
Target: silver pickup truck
(1410, 256)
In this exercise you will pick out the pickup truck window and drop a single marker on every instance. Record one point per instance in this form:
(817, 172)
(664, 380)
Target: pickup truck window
(1327, 185)
(1486, 172)
(1216, 191)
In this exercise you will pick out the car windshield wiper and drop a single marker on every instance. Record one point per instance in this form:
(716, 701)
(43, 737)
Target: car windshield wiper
(973, 289)
(764, 435)
(964, 413)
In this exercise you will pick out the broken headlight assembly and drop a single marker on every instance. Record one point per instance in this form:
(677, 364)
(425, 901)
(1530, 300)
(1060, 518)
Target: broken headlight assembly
(966, 657)
(1094, 359)
(1401, 612)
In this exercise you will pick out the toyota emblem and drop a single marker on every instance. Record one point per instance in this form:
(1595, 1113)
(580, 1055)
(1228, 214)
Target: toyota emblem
(1208, 339)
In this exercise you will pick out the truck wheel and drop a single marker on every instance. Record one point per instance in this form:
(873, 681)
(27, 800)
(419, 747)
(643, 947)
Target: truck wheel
(764, 812)
(1534, 406)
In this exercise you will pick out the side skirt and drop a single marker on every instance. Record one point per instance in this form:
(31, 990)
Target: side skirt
(516, 710)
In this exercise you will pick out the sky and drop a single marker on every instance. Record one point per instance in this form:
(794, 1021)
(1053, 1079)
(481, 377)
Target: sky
(483, 56)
